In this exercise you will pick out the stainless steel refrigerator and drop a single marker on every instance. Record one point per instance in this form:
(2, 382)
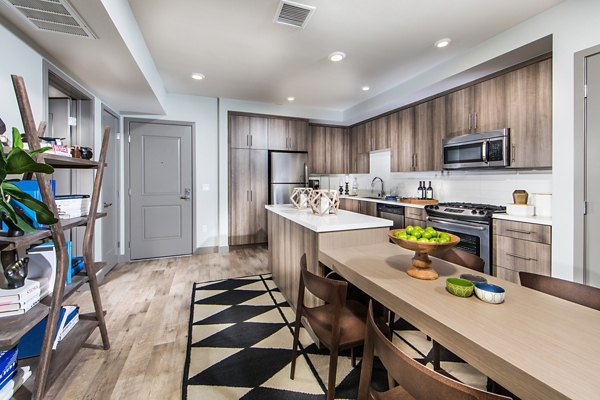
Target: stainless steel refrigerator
(287, 170)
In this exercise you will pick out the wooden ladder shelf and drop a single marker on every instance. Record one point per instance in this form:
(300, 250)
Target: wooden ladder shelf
(50, 364)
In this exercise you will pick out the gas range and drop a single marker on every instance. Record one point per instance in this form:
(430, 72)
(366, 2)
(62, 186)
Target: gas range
(473, 212)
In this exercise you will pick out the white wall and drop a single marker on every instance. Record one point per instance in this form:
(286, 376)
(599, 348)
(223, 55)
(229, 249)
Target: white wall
(202, 111)
(19, 59)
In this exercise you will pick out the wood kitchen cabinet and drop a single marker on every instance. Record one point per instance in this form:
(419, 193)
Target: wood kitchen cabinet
(359, 145)
(429, 131)
(402, 140)
(529, 115)
(380, 132)
(519, 246)
(287, 134)
(248, 195)
(350, 205)
(489, 108)
(317, 152)
(298, 134)
(367, 208)
(415, 217)
(246, 132)
(458, 112)
(329, 149)
(336, 143)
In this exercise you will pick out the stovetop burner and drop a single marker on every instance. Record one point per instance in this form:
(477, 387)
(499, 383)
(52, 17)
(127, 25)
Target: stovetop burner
(475, 212)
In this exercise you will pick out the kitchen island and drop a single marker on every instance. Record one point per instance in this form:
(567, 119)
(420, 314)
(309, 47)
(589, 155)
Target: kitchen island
(294, 232)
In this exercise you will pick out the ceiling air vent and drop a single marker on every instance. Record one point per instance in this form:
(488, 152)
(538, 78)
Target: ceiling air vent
(294, 14)
(53, 16)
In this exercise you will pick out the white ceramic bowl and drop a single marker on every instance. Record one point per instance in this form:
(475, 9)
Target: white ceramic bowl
(489, 293)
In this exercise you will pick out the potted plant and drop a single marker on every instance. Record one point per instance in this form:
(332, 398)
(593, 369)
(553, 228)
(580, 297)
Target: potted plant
(18, 161)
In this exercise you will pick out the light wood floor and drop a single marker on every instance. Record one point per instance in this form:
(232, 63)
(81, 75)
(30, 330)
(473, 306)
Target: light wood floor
(147, 306)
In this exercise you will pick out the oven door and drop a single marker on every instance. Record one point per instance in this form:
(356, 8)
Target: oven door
(474, 237)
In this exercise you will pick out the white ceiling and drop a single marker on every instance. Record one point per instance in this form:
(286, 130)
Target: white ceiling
(246, 56)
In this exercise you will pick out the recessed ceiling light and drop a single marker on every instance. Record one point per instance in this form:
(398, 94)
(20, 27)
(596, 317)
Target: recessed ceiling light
(337, 56)
(291, 98)
(197, 76)
(365, 88)
(442, 42)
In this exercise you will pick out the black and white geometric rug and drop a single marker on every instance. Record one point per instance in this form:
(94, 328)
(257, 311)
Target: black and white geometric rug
(240, 340)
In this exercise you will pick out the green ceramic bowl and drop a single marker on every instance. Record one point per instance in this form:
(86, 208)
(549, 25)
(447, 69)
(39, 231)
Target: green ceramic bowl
(459, 287)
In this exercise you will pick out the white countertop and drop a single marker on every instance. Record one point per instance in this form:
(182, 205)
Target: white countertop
(531, 220)
(342, 221)
(381, 201)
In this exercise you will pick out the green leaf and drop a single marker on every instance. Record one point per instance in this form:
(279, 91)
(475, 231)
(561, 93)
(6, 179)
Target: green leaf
(19, 162)
(17, 142)
(2, 166)
(14, 217)
(40, 150)
(42, 213)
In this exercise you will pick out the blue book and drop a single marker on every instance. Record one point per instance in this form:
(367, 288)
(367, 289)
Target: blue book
(30, 344)
(8, 365)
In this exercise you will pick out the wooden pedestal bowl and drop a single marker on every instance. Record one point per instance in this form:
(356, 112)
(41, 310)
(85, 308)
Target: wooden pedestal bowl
(421, 264)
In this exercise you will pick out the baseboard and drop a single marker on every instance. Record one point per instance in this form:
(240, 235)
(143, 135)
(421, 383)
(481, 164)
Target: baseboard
(206, 250)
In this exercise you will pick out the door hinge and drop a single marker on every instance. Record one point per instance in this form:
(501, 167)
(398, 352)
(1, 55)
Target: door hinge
(118, 244)
(129, 191)
(129, 244)
(585, 207)
(585, 91)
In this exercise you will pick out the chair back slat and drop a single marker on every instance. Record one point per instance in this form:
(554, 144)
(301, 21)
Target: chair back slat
(584, 295)
(460, 257)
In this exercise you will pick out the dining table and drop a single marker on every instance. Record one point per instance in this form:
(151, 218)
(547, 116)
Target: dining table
(535, 345)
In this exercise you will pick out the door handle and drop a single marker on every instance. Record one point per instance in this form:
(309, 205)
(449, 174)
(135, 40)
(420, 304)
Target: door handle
(484, 151)
(187, 194)
(106, 205)
(475, 120)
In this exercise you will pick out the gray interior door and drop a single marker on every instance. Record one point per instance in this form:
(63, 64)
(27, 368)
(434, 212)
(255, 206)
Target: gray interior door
(160, 176)
(592, 174)
(110, 193)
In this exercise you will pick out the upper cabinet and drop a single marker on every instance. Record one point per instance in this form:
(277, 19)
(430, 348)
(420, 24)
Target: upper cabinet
(459, 114)
(430, 130)
(380, 132)
(298, 134)
(358, 150)
(247, 132)
(489, 109)
(529, 115)
(287, 134)
(402, 140)
(329, 149)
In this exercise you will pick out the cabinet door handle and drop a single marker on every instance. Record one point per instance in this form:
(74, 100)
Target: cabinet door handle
(514, 149)
(521, 257)
(470, 121)
(475, 120)
(519, 231)
(247, 195)
(250, 140)
(251, 195)
(247, 140)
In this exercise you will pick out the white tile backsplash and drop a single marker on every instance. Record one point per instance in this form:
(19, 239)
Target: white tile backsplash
(487, 186)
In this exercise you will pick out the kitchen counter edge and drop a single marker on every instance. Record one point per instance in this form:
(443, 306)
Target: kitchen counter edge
(382, 201)
(530, 220)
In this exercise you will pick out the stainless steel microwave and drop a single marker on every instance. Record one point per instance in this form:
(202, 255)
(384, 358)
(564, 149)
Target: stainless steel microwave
(477, 150)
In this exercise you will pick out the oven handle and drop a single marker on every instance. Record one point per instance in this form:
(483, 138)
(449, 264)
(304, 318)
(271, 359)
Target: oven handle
(478, 228)
(484, 151)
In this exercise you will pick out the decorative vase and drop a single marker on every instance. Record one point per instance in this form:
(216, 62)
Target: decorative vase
(520, 196)
(324, 202)
(301, 196)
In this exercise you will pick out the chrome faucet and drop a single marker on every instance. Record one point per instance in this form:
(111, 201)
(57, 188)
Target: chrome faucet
(373, 184)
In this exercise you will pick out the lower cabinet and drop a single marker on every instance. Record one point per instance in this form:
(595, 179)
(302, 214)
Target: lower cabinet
(415, 217)
(248, 195)
(350, 205)
(519, 246)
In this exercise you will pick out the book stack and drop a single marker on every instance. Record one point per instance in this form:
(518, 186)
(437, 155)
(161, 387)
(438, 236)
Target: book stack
(73, 206)
(19, 301)
(12, 385)
(68, 319)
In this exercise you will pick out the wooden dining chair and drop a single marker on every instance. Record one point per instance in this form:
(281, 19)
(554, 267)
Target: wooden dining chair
(415, 381)
(466, 260)
(339, 324)
(584, 295)
(460, 257)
